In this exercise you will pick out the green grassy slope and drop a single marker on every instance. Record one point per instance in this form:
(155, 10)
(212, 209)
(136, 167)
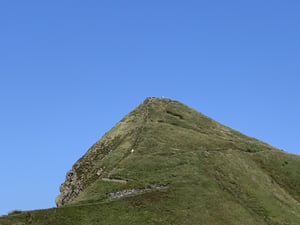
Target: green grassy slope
(184, 168)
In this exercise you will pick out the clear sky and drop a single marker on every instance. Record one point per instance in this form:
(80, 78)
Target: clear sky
(70, 70)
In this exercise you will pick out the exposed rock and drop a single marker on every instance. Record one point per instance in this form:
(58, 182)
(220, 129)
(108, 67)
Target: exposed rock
(99, 172)
(69, 189)
(123, 193)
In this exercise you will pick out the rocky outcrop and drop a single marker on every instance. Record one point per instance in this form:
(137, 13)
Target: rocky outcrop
(70, 188)
(133, 191)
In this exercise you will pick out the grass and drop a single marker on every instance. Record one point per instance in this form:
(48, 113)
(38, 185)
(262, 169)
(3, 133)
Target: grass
(214, 175)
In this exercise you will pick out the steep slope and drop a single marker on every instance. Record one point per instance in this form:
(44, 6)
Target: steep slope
(165, 163)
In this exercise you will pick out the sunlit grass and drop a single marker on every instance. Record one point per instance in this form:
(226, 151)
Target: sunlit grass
(213, 174)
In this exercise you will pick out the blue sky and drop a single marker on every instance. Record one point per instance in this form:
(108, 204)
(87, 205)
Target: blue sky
(70, 70)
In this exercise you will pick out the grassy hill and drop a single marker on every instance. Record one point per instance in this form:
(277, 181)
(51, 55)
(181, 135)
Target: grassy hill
(165, 163)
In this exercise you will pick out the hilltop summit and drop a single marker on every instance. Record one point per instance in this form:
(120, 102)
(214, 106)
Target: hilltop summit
(165, 163)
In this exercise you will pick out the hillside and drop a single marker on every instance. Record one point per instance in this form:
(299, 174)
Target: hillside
(165, 163)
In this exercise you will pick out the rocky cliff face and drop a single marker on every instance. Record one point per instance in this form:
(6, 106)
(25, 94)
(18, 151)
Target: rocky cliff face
(70, 188)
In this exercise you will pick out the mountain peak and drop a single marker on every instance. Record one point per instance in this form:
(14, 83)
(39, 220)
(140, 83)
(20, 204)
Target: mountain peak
(166, 163)
(156, 122)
